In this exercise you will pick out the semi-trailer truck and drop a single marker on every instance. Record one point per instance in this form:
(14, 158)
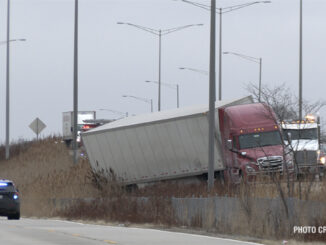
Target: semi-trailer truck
(303, 139)
(174, 144)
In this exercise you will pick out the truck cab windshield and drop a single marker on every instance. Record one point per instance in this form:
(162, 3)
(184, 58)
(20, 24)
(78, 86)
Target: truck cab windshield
(260, 139)
(296, 134)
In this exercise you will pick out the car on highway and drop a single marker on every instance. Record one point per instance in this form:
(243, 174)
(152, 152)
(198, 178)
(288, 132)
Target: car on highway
(9, 200)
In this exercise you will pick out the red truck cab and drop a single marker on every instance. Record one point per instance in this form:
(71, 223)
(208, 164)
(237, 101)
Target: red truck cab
(252, 142)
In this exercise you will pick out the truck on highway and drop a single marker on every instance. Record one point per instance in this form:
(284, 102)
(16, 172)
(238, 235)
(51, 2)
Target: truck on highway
(85, 121)
(174, 144)
(303, 139)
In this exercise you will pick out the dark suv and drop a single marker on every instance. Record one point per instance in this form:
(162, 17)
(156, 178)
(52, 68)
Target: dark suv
(9, 200)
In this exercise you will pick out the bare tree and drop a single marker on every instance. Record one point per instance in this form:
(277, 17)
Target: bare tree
(285, 105)
(283, 101)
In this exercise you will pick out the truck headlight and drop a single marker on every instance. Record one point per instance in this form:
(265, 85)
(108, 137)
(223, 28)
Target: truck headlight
(249, 169)
(289, 163)
(322, 160)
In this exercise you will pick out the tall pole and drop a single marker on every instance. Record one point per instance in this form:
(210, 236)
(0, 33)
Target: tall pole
(260, 73)
(300, 65)
(220, 61)
(75, 83)
(178, 96)
(159, 70)
(212, 98)
(7, 82)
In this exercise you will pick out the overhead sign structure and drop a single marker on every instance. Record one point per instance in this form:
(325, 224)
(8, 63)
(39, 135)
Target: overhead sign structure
(37, 126)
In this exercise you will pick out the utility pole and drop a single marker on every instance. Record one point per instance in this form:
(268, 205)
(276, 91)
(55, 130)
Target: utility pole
(220, 59)
(75, 146)
(300, 65)
(260, 71)
(212, 98)
(7, 154)
(159, 69)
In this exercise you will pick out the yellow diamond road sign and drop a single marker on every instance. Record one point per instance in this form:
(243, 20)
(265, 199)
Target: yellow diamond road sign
(37, 126)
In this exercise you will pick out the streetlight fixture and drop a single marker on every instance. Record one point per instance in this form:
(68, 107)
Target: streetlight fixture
(115, 112)
(159, 33)
(195, 70)
(252, 59)
(149, 101)
(222, 11)
(169, 85)
(13, 40)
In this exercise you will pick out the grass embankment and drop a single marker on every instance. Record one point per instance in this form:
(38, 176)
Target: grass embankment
(43, 170)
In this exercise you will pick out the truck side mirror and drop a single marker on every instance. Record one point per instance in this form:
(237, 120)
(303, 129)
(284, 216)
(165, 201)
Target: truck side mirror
(229, 144)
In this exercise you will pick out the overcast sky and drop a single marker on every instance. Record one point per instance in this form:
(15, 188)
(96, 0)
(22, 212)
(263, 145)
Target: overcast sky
(117, 59)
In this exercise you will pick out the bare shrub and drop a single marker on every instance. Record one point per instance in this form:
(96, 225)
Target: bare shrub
(156, 210)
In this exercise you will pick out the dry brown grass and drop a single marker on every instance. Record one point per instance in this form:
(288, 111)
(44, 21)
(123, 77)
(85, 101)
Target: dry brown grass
(44, 171)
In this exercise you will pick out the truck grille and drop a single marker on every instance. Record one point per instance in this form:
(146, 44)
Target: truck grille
(305, 157)
(270, 163)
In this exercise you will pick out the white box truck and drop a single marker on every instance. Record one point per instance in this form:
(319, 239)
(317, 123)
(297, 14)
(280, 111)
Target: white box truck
(83, 124)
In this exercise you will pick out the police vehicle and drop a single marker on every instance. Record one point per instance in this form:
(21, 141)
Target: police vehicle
(9, 200)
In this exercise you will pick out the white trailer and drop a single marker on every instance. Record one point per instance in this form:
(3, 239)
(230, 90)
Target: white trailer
(157, 146)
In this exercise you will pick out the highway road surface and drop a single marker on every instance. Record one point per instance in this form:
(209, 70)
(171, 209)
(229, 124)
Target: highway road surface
(49, 232)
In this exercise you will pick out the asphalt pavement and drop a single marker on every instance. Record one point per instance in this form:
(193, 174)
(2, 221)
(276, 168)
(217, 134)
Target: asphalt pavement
(49, 232)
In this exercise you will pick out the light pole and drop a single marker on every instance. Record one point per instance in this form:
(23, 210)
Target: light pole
(149, 101)
(7, 153)
(252, 59)
(212, 98)
(169, 85)
(159, 33)
(7, 82)
(222, 11)
(300, 64)
(8, 41)
(75, 93)
(115, 112)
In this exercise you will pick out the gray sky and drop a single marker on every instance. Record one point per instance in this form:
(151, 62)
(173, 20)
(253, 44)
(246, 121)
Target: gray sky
(117, 59)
